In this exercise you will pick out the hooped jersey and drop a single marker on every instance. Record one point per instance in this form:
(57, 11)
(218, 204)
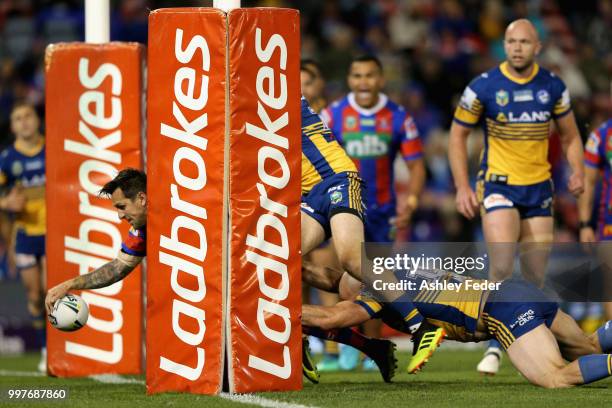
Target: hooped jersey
(515, 114)
(598, 154)
(372, 138)
(322, 156)
(23, 166)
(135, 243)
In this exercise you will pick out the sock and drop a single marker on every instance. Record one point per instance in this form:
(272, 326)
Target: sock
(604, 334)
(494, 344)
(404, 306)
(40, 332)
(595, 367)
(344, 336)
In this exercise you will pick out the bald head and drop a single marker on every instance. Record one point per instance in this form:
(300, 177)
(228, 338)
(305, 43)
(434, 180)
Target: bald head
(521, 44)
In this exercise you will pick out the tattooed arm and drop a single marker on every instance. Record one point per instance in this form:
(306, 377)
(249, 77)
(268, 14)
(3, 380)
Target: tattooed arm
(105, 275)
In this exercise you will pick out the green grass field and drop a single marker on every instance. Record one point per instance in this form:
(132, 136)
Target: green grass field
(449, 380)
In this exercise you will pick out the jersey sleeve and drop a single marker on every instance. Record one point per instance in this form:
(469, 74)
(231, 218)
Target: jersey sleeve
(594, 150)
(410, 141)
(562, 98)
(135, 243)
(470, 106)
(312, 123)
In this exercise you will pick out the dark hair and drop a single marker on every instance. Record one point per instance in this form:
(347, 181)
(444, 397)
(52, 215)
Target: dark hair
(368, 58)
(304, 68)
(23, 104)
(308, 61)
(130, 181)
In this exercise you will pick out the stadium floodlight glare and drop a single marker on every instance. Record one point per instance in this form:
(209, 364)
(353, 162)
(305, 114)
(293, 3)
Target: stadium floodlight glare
(97, 21)
(226, 5)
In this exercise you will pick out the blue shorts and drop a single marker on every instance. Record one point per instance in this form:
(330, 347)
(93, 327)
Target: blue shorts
(534, 200)
(340, 193)
(28, 249)
(515, 309)
(377, 224)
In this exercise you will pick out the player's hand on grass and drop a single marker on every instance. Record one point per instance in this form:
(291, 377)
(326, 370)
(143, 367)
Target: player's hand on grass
(15, 200)
(467, 203)
(575, 185)
(54, 294)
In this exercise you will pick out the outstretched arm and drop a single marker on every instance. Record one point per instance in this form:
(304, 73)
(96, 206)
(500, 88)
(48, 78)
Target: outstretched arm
(343, 314)
(105, 275)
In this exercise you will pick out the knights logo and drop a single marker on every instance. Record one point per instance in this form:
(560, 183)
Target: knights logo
(350, 123)
(502, 97)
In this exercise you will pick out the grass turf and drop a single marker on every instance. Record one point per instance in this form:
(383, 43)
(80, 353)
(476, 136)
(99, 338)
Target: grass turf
(449, 380)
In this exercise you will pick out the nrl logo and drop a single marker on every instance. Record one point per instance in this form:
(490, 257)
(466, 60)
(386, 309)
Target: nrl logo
(502, 97)
(335, 197)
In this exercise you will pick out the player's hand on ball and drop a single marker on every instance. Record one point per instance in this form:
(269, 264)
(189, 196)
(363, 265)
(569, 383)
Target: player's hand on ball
(54, 294)
(69, 313)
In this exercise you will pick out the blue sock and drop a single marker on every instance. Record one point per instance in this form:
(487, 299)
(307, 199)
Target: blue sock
(604, 333)
(404, 306)
(40, 332)
(595, 367)
(494, 344)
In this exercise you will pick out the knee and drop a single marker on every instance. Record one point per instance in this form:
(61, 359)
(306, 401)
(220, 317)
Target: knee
(351, 264)
(554, 381)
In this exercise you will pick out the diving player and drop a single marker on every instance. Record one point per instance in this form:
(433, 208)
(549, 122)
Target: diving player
(516, 104)
(536, 334)
(22, 172)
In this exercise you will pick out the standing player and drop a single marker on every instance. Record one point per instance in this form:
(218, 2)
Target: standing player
(598, 158)
(373, 130)
(22, 172)
(515, 103)
(128, 192)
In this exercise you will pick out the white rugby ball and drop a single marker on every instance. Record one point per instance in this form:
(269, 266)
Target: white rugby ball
(69, 313)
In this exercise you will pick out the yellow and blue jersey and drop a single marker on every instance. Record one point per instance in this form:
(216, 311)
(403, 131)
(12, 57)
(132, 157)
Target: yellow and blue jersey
(322, 156)
(515, 114)
(20, 165)
(457, 312)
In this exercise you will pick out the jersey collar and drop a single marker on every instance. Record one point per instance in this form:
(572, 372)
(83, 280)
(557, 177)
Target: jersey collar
(504, 70)
(382, 101)
(26, 150)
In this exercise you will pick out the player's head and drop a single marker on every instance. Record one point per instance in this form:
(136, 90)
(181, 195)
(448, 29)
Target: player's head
(521, 44)
(317, 84)
(128, 192)
(24, 121)
(307, 80)
(366, 80)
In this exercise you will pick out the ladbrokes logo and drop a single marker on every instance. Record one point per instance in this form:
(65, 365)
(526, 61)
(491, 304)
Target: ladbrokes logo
(99, 127)
(271, 81)
(185, 259)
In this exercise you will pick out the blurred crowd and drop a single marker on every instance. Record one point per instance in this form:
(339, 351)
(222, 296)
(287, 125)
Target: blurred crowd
(430, 50)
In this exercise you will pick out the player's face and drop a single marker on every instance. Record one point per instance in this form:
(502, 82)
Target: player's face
(134, 210)
(24, 123)
(318, 84)
(366, 81)
(521, 46)
(308, 86)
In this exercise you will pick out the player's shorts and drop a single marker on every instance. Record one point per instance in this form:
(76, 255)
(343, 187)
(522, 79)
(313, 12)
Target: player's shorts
(340, 193)
(28, 249)
(516, 308)
(534, 200)
(377, 226)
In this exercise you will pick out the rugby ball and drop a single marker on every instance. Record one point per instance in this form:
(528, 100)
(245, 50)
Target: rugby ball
(69, 313)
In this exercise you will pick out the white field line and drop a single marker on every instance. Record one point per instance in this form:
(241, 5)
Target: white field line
(117, 379)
